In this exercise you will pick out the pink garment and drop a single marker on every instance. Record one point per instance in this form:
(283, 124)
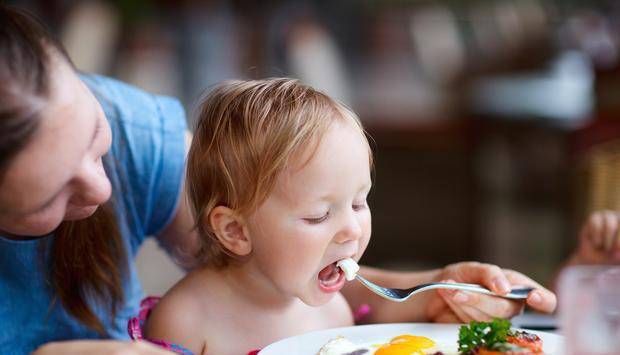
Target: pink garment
(135, 324)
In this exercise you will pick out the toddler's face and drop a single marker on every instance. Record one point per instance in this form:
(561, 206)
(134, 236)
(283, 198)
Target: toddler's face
(316, 215)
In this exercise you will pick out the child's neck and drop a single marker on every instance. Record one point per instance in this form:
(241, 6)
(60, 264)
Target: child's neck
(253, 287)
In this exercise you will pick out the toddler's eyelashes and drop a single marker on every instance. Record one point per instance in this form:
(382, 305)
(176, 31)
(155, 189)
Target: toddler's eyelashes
(317, 220)
(359, 207)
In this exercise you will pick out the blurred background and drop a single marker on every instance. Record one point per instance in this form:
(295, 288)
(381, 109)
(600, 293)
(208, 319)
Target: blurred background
(495, 122)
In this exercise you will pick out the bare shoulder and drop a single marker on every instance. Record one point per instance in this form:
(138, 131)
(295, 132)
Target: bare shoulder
(178, 317)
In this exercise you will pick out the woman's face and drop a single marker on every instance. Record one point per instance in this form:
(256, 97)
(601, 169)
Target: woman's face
(58, 176)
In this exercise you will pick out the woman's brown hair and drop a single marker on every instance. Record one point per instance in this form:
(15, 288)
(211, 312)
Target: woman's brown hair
(247, 134)
(87, 256)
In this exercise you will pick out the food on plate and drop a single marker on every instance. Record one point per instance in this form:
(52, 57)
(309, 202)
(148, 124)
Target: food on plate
(405, 344)
(349, 267)
(476, 338)
(496, 338)
(341, 346)
(526, 340)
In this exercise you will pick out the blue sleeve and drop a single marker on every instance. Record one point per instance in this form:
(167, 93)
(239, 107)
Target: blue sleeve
(148, 153)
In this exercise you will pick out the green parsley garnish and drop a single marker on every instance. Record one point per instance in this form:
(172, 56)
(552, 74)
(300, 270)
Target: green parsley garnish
(483, 334)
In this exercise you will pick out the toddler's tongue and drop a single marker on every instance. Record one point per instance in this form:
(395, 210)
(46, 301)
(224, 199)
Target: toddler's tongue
(329, 275)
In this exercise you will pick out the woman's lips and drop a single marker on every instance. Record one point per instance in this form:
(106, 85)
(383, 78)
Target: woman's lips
(81, 213)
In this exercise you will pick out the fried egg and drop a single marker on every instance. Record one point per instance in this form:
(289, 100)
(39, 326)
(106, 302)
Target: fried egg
(405, 344)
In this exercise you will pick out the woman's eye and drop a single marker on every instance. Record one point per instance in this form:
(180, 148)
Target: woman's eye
(317, 220)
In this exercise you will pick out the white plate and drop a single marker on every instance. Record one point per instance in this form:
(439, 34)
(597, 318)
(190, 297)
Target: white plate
(445, 335)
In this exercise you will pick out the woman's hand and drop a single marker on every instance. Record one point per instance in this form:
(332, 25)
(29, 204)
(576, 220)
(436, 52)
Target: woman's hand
(599, 240)
(457, 306)
(100, 347)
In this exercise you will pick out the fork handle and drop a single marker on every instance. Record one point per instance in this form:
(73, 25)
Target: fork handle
(520, 293)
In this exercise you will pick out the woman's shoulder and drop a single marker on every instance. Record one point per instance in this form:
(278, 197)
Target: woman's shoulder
(146, 161)
(132, 105)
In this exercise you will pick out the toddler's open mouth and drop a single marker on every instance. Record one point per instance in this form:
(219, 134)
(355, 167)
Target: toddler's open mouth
(331, 278)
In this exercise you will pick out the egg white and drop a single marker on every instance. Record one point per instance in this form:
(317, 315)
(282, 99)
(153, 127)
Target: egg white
(343, 346)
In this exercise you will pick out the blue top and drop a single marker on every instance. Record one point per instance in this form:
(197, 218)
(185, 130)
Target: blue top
(148, 156)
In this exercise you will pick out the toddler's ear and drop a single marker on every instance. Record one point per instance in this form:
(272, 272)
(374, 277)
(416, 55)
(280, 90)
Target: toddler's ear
(230, 230)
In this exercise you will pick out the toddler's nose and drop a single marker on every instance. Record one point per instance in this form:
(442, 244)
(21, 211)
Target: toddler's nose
(350, 231)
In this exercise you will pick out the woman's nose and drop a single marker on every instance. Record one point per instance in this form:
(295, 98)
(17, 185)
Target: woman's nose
(351, 229)
(93, 185)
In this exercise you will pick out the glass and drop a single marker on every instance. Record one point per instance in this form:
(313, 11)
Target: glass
(590, 309)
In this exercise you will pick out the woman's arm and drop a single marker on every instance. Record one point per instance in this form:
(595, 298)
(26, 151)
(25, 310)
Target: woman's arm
(100, 347)
(447, 305)
(179, 238)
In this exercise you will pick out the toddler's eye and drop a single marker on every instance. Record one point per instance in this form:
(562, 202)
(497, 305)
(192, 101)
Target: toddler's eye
(360, 206)
(318, 219)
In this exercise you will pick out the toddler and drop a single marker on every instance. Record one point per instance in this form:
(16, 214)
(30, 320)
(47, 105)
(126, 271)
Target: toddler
(278, 175)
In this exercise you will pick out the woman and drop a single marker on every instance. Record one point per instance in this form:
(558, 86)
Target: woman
(89, 166)
(55, 140)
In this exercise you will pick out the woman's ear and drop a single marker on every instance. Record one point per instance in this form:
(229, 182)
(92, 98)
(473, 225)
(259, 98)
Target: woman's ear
(230, 230)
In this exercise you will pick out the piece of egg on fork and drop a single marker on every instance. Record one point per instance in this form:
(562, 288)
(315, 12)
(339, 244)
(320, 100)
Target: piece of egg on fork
(349, 267)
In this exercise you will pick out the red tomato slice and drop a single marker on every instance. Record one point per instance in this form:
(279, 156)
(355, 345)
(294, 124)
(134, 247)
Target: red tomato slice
(527, 340)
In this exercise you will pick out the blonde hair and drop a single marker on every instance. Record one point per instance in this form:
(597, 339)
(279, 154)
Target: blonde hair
(247, 133)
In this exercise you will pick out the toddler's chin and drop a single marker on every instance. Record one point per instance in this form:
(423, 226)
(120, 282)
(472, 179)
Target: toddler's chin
(316, 298)
(317, 301)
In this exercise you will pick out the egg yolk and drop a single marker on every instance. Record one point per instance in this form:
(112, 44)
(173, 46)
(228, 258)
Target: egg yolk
(406, 345)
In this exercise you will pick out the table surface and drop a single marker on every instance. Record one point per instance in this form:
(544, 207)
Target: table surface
(537, 321)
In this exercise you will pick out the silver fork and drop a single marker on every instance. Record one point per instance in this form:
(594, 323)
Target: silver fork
(400, 295)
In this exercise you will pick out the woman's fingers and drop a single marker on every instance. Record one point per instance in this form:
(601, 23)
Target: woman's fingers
(610, 230)
(593, 231)
(447, 296)
(482, 307)
(143, 347)
(615, 251)
(436, 307)
(540, 299)
(492, 306)
(448, 317)
(487, 275)
(438, 310)
(95, 347)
